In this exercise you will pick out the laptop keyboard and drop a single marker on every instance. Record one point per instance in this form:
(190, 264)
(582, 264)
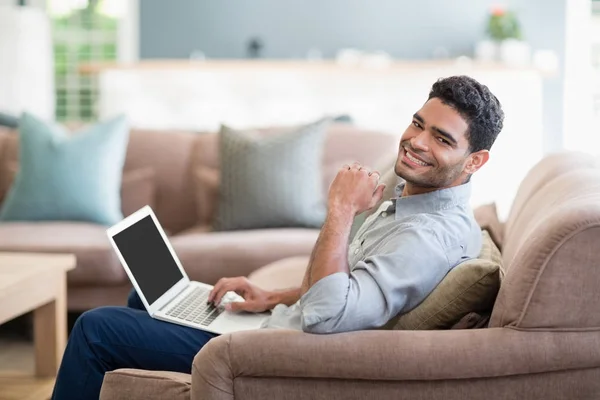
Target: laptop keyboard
(193, 308)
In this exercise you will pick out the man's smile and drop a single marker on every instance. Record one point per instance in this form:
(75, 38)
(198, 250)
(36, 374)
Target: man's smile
(413, 160)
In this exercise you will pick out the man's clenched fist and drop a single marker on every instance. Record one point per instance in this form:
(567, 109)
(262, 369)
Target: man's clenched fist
(355, 189)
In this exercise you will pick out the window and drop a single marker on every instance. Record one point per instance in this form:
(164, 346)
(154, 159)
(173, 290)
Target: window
(84, 31)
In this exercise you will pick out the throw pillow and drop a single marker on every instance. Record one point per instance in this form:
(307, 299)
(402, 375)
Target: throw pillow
(68, 178)
(472, 286)
(273, 181)
(137, 188)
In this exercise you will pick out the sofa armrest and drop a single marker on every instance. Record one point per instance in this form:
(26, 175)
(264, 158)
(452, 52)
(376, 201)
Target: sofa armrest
(387, 355)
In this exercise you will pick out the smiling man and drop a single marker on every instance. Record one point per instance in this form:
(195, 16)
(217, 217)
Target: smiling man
(402, 251)
(397, 257)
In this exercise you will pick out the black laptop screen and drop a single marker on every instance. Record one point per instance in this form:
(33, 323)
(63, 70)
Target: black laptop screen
(148, 258)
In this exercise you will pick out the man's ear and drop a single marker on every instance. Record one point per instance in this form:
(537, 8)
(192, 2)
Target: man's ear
(476, 161)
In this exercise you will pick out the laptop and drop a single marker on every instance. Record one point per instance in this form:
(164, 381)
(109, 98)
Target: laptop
(162, 284)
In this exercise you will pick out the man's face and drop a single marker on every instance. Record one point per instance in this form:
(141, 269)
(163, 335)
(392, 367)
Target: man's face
(434, 149)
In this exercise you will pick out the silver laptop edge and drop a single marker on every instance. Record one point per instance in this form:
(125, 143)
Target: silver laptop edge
(224, 323)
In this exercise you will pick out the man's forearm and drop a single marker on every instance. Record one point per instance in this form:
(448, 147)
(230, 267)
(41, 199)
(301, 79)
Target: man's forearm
(330, 254)
(286, 296)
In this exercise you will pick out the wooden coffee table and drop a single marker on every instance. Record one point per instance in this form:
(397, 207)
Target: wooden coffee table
(38, 282)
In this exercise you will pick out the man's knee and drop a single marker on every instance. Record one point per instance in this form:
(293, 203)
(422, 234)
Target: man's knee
(134, 301)
(91, 323)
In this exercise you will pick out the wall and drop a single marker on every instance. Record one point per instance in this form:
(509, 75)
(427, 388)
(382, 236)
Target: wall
(291, 27)
(411, 30)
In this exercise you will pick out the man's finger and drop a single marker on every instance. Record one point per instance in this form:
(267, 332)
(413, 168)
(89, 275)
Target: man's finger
(235, 306)
(226, 287)
(375, 175)
(216, 289)
(378, 195)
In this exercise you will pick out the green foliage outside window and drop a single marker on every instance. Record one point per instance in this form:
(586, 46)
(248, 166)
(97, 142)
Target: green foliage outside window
(82, 36)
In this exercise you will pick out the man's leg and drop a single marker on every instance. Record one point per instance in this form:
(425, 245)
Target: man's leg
(134, 301)
(108, 338)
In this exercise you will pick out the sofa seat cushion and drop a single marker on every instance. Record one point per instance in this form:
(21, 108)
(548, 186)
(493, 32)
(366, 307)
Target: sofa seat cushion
(208, 256)
(96, 260)
(131, 384)
(282, 274)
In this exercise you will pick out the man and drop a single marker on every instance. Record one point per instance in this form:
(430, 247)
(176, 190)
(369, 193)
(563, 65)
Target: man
(396, 259)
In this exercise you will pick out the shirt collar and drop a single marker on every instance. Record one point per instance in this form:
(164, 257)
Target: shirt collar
(430, 202)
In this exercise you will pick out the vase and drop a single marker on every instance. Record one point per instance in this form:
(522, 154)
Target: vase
(515, 53)
(486, 50)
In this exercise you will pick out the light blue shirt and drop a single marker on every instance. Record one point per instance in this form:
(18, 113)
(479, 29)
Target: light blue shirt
(396, 259)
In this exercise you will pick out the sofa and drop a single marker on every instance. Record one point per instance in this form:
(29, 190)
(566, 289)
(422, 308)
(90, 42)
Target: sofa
(542, 340)
(161, 170)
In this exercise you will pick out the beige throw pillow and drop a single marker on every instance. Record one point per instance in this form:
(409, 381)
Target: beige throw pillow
(471, 286)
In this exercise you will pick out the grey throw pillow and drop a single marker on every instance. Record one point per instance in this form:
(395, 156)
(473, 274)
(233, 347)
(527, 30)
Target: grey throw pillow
(271, 181)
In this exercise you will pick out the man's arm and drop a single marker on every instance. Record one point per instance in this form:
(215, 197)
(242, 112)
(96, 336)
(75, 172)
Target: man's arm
(407, 267)
(285, 296)
(256, 299)
(355, 189)
(330, 254)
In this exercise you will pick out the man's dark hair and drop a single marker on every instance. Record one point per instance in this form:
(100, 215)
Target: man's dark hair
(476, 104)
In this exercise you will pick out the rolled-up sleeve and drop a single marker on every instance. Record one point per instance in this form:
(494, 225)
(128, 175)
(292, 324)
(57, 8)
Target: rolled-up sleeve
(396, 279)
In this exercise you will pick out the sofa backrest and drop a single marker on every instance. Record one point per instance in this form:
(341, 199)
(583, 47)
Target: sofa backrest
(173, 155)
(167, 153)
(344, 143)
(551, 254)
(541, 174)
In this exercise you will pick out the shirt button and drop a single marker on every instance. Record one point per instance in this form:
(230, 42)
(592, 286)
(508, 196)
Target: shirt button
(356, 251)
(384, 214)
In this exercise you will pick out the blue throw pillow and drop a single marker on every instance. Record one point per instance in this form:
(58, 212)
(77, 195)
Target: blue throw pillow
(8, 120)
(64, 177)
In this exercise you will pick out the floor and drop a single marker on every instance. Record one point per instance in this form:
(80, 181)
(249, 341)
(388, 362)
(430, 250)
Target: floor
(16, 372)
(17, 381)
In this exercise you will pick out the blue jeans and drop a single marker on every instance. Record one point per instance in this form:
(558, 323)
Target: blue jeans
(108, 338)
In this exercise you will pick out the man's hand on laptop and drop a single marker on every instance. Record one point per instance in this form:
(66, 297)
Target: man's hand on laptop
(256, 299)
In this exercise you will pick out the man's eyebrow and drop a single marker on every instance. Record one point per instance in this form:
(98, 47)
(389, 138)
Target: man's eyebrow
(445, 134)
(418, 118)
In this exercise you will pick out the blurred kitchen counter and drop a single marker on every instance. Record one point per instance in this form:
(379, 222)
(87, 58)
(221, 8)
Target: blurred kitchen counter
(317, 65)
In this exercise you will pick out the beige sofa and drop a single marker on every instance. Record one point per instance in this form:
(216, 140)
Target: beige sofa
(543, 340)
(167, 163)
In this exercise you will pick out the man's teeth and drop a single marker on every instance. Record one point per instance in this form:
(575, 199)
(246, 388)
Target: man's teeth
(411, 158)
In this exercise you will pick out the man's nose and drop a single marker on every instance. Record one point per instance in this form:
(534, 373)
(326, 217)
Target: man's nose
(419, 142)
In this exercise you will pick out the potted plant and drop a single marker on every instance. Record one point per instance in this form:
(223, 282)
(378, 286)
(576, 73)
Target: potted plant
(505, 39)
